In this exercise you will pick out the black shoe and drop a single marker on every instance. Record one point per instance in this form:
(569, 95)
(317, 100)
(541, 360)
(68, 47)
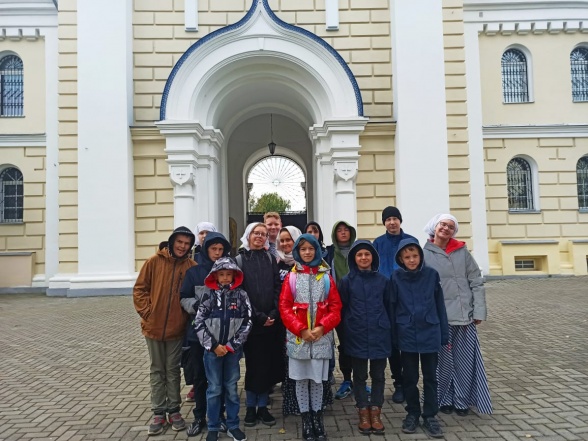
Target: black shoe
(462, 412)
(446, 409)
(250, 417)
(212, 436)
(318, 426)
(410, 423)
(307, 429)
(265, 417)
(432, 427)
(196, 427)
(223, 425)
(237, 434)
(398, 395)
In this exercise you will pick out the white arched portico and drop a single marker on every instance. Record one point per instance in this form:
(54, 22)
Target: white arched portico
(258, 66)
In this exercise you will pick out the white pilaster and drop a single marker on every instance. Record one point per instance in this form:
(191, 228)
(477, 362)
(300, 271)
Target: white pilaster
(194, 163)
(191, 15)
(476, 145)
(422, 176)
(336, 150)
(105, 160)
(332, 14)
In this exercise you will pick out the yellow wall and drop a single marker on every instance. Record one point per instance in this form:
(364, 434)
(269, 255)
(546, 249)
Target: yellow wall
(32, 54)
(550, 70)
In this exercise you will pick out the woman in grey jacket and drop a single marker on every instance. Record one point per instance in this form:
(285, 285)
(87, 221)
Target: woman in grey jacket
(461, 375)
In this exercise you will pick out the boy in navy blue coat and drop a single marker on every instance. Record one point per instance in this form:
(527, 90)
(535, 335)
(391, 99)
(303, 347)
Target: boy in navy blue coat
(365, 294)
(419, 329)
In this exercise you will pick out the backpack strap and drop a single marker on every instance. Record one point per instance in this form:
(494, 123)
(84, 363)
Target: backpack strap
(239, 260)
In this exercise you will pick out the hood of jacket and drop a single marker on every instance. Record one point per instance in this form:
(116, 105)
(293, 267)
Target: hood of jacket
(353, 233)
(362, 245)
(403, 244)
(172, 238)
(318, 256)
(224, 263)
(211, 239)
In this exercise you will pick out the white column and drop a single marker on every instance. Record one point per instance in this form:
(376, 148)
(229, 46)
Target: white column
(52, 156)
(194, 163)
(336, 149)
(476, 144)
(420, 111)
(106, 250)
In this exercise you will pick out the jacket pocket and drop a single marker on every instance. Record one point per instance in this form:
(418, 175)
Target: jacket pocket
(432, 318)
(301, 312)
(322, 308)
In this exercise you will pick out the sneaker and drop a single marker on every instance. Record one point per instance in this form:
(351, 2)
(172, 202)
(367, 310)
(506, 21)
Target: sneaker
(344, 390)
(265, 417)
(432, 427)
(237, 434)
(157, 426)
(223, 425)
(398, 395)
(462, 412)
(177, 422)
(410, 423)
(190, 396)
(196, 427)
(212, 436)
(251, 417)
(446, 409)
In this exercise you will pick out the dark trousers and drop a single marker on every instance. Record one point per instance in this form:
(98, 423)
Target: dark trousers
(410, 366)
(360, 375)
(344, 359)
(396, 367)
(196, 375)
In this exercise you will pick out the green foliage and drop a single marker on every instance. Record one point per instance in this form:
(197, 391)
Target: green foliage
(269, 202)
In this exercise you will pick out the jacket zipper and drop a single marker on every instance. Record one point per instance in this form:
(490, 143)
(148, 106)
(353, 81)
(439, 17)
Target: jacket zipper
(224, 332)
(171, 291)
(310, 309)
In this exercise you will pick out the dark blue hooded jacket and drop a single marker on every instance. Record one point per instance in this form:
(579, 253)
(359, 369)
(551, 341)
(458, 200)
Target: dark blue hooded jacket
(195, 276)
(366, 308)
(386, 245)
(419, 318)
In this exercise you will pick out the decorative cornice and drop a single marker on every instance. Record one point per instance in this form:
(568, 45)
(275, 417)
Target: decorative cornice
(540, 131)
(25, 140)
(146, 133)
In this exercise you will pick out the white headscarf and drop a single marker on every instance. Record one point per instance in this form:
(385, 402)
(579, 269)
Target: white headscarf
(204, 226)
(432, 224)
(295, 233)
(248, 230)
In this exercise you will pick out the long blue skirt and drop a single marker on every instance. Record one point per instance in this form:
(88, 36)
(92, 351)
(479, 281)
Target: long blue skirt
(461, 376)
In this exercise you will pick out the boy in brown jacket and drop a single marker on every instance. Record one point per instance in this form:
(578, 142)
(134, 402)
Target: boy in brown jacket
(156, 296)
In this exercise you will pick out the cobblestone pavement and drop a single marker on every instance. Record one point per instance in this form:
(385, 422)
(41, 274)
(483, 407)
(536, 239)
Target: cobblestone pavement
(76, 369)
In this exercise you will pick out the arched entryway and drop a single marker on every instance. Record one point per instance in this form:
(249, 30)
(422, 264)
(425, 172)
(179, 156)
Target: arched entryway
(217, 102)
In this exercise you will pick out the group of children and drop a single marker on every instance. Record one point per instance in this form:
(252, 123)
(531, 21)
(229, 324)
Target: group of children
(374, 313)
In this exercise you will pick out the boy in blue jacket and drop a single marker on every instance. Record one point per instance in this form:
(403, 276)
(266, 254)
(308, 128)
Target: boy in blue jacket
(365, 294)
(419, 330)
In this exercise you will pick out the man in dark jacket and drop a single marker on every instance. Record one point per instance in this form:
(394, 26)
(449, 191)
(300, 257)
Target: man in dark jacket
(156, 296)
(386, 245)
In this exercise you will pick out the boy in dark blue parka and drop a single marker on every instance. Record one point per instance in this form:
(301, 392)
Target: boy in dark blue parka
(420, 328)
(365, 294)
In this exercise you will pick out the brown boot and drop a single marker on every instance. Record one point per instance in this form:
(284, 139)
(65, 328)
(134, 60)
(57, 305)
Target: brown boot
(377, 426)
(365, 427)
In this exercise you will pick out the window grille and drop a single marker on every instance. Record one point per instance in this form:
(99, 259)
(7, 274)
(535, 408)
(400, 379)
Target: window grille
(11, 85)
(525, 265)
(579, 67)
(520, 185)
(515, 84)
(582, 176)
(11, 196)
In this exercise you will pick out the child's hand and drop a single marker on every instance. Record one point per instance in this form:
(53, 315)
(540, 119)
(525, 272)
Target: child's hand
(269, 322)
(477, 322)
(318, 332)
(220, 351)
(307, 336)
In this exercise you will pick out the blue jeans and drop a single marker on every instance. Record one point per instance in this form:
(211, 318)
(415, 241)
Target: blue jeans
(256, 400)
(222, 374)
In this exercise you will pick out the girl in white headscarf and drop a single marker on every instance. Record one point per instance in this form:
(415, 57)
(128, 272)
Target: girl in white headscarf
(461, 376)
(202, 229)
(286, 239)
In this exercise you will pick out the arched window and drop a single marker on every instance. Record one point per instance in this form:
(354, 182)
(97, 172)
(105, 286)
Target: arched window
(582, 176)
(515, 78)
(11, 85)
(579, 68)
(519, 181)
(11, 195)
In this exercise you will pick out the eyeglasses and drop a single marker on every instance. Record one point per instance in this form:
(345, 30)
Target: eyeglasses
(259, 234)
(448, 226)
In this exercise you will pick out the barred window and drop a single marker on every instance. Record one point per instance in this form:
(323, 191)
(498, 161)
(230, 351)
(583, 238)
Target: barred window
(11, 86)
(11, 195)
(515, 78)
(582, 176)
(579, 68)
(519, 181)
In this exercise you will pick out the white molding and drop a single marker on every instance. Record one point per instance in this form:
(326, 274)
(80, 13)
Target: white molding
(540, 131)
(332, 14)
(191, 15)
(24, 140)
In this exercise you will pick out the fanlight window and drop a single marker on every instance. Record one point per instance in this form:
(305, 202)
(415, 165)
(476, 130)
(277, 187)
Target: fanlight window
(11, 86)
(11, 195)
(515, 80)
(520, 185)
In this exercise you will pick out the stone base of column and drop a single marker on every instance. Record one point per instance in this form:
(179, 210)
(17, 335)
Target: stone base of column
(80, 285)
